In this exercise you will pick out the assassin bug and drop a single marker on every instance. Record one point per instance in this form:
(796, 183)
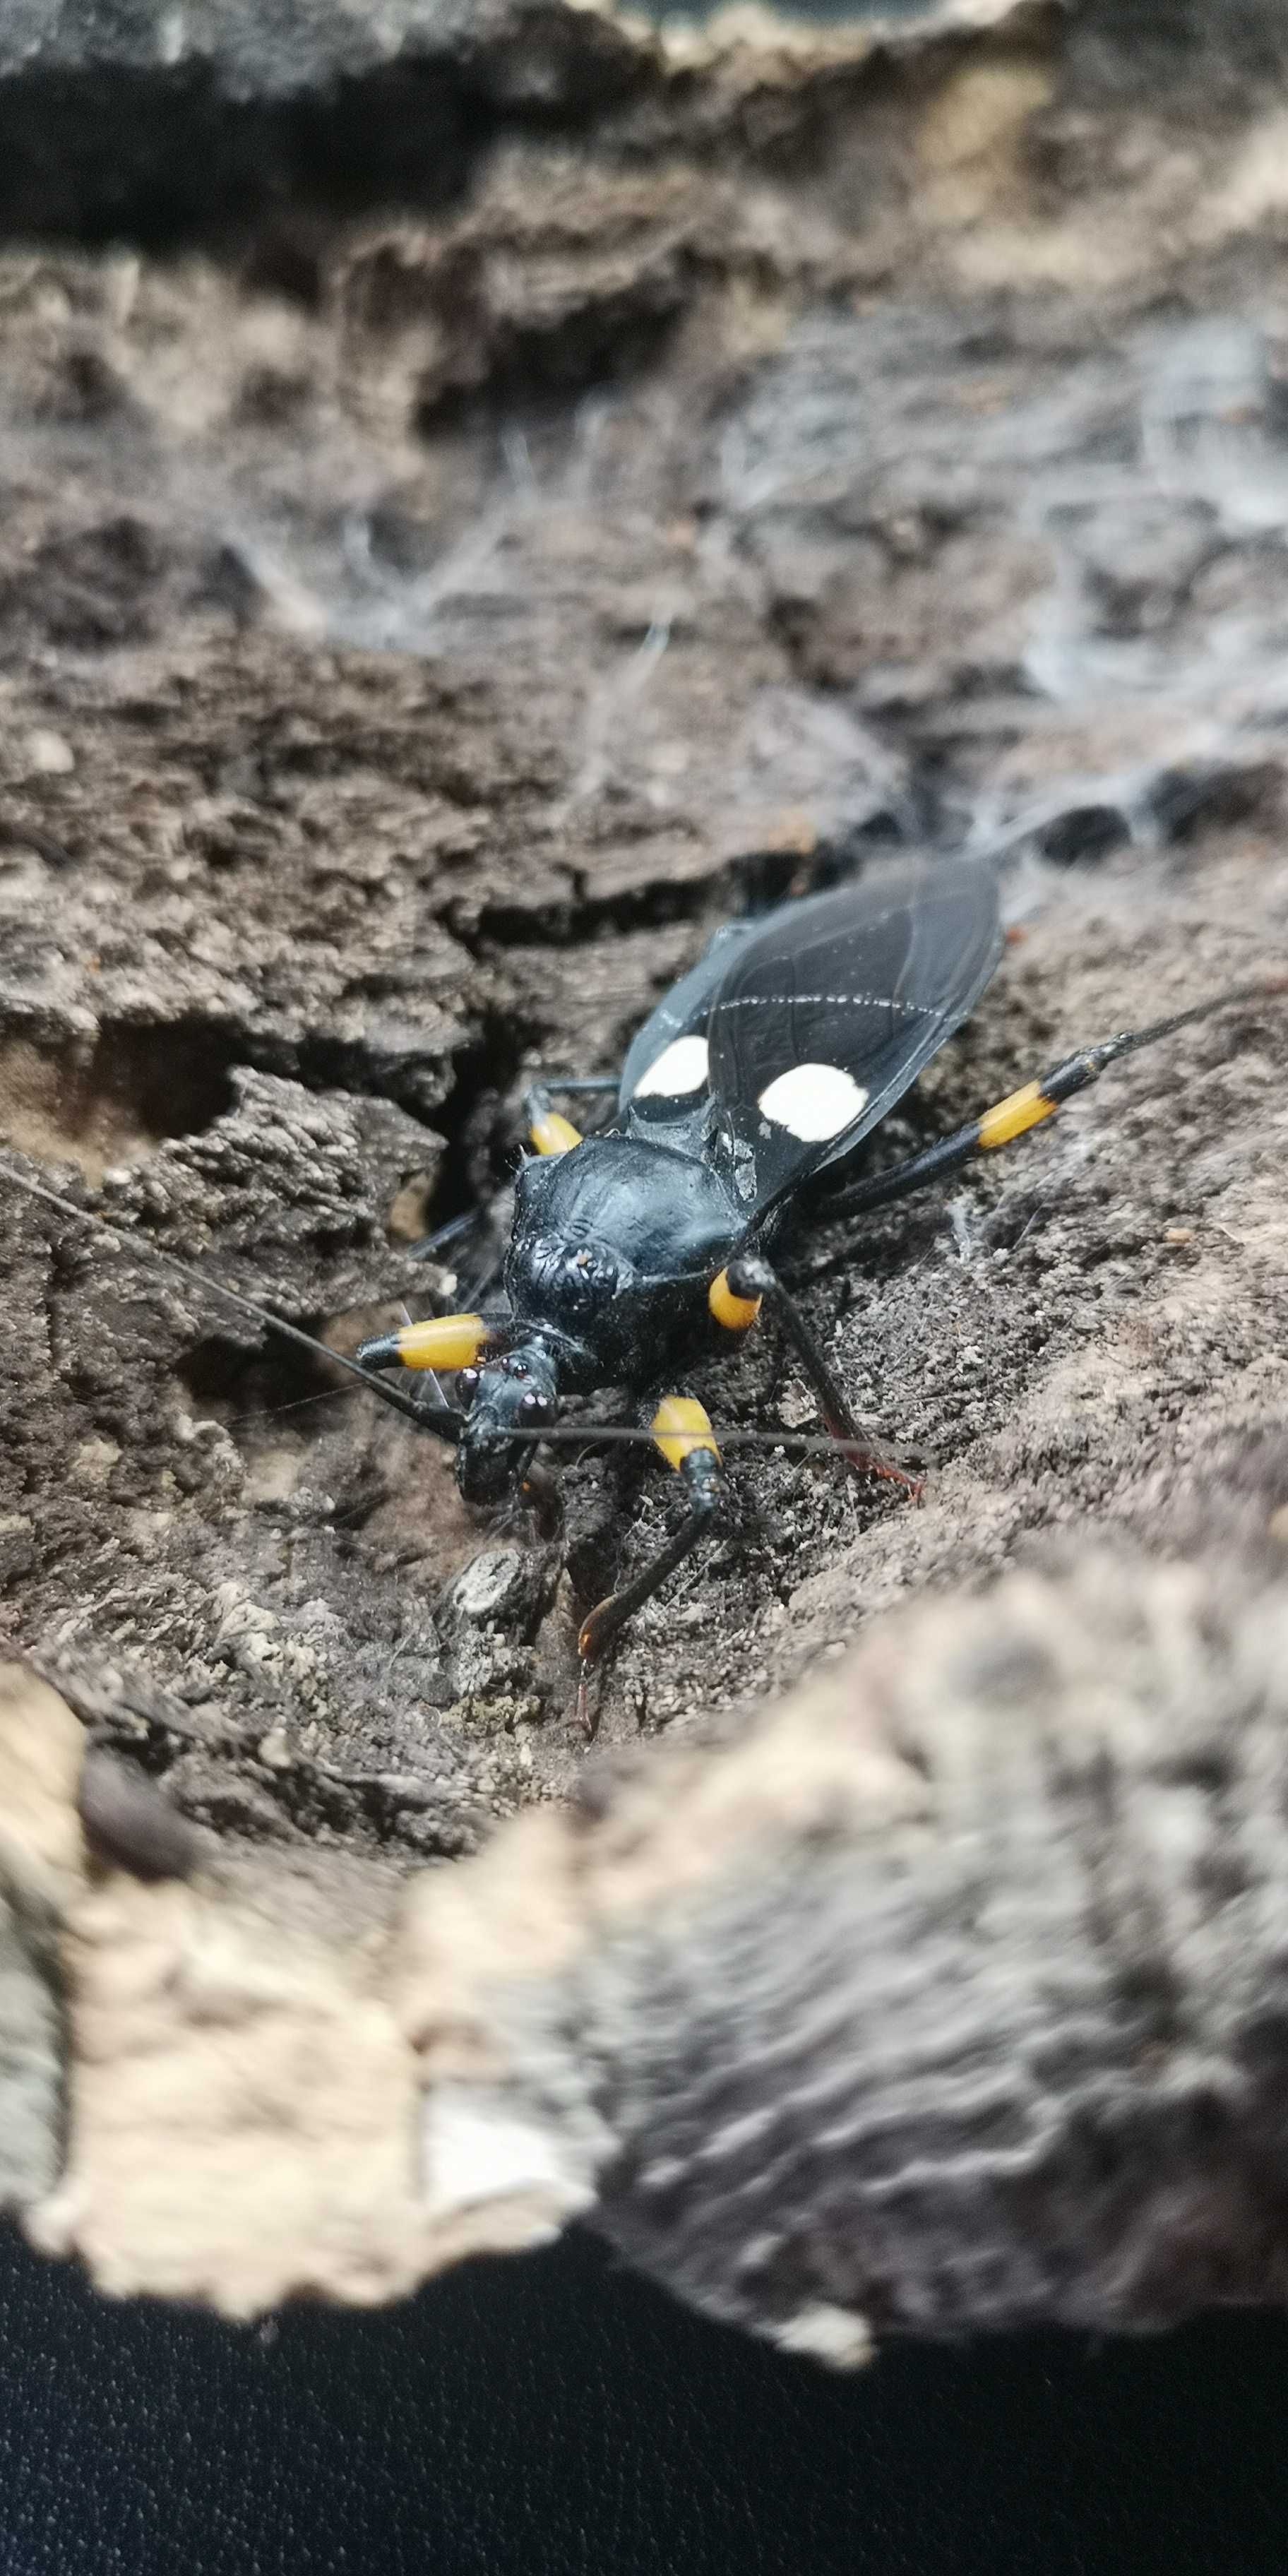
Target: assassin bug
(635, 1249)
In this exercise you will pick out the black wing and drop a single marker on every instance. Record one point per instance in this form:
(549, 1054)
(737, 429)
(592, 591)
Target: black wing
(797, 1033)
(665, 1092)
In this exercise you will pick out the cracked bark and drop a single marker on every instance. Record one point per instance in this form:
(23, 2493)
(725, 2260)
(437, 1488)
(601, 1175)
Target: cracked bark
(950, 1998)
(416, 631)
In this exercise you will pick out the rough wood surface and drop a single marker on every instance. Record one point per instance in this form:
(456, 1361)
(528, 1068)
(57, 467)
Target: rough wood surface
(952, 1997)
(428, 603)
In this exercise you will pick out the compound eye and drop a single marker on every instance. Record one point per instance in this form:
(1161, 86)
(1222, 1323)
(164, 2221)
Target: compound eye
(467, 1385)
(534, 1408)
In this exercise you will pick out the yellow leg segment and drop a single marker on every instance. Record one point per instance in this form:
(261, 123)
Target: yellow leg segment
(685, 1438)
(552, 1134)
(441, 1342)
(1038, 1100)
(1015, 1115)
(681, 1425)
(736, 1313)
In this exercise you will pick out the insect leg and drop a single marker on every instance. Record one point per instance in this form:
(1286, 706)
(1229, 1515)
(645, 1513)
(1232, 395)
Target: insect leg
(684, 1436)
(544, 1496)
(441, 1342)
(434, 1384)
(549, 1132)
(750, 1275)
(1027, 1107)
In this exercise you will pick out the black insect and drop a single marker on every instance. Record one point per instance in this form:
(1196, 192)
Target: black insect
(634, 1250)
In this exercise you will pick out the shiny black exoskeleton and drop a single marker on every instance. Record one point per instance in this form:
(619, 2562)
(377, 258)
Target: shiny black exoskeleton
(762, 1070)
(613, 1251)
(759, 1072)
(769, 1061)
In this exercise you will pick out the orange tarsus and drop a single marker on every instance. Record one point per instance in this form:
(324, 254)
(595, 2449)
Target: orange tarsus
(866, 1464)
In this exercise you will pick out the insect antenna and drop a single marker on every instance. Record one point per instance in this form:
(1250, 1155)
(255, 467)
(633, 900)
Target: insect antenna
(441, 1419)
(294, 1404)
(734, 1435)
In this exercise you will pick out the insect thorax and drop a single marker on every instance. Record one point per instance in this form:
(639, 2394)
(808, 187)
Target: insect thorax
(616, 1241)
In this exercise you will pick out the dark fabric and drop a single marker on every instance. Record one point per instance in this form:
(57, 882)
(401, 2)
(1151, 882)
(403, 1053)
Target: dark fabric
(554, 2414)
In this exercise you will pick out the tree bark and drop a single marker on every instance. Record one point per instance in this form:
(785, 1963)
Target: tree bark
(527, 485)
(952, 1998)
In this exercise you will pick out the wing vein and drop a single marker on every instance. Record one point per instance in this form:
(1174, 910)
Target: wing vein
(825, 1001)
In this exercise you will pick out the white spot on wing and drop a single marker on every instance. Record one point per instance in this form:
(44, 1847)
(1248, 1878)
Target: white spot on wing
(680, 1068)
(813, 1101)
